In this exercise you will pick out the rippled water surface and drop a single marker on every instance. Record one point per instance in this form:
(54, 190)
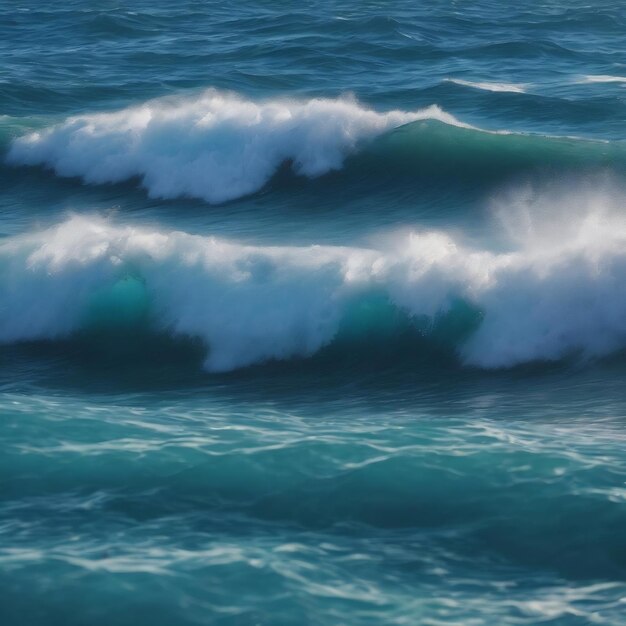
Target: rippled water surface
(312, 313)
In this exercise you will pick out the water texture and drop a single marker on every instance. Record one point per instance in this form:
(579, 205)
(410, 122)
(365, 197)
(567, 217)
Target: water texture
(312, 313)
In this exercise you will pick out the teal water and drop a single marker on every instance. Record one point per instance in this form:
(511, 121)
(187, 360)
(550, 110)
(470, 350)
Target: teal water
(312, 314)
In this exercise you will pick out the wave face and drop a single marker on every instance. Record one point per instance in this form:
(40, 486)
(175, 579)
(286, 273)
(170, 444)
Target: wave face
(546, 299)
(216, 147)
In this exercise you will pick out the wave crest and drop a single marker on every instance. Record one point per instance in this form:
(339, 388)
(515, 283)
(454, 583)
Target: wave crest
(556, 293)
(216, 147)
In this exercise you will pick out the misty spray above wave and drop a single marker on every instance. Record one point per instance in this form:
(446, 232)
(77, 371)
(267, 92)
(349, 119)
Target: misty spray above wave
(545, 299)
(216, 146)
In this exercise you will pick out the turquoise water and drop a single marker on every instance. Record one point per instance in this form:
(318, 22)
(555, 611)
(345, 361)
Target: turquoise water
(312, 313)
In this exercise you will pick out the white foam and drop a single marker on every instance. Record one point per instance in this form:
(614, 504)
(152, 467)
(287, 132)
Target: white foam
(603, 78)
(488, 86)
(217, 146)
(249, 304)
(560, 288)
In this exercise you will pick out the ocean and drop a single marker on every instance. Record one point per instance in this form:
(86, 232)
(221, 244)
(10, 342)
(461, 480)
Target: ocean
(312, 313)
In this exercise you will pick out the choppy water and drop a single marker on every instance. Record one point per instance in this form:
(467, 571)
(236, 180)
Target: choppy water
(312, 313)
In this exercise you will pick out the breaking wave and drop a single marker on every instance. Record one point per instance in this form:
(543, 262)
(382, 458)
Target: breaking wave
(216, 146)
(553, 293)
(219, 146)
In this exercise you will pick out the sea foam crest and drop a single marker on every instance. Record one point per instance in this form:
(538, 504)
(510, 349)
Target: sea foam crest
(490, 86)
(216, 146)
(558, 290)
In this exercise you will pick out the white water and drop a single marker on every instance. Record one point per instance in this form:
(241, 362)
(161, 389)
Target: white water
(560, 289)
(488, 86)
(217, 146)
(603, 78)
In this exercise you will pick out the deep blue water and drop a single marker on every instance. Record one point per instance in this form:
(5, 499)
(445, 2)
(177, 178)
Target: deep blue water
(312, 313)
